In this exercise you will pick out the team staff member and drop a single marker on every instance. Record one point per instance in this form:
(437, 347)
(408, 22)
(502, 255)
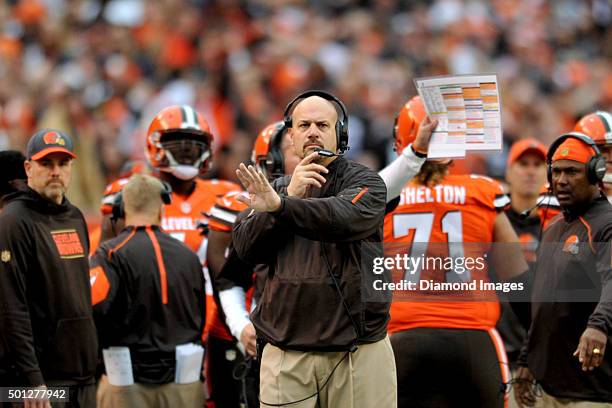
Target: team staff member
(455, 331)
(309, 229)
(148, 295)
(526, 176)
(179, 148)
(274, 154)
(45, 302)
(566, 346)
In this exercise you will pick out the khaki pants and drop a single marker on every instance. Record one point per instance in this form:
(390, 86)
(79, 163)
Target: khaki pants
(363, 379)
(548, 401)
(169, 395)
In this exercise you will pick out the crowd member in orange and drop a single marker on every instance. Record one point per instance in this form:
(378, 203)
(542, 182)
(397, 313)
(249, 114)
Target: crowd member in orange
(598, 126)
(447, 351)
(179, 147)
(565, 351)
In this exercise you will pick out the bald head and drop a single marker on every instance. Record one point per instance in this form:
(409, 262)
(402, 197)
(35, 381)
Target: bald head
(317, 103)
(142, 199)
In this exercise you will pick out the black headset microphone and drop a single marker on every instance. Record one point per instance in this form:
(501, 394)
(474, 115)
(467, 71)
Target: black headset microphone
(327, 153)
(523, 215)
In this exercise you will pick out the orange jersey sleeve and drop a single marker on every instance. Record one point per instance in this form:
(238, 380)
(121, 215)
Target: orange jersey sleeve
(454, 219)
(224, 212)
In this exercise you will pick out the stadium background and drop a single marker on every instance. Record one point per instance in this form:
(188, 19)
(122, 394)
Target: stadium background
(101, 69)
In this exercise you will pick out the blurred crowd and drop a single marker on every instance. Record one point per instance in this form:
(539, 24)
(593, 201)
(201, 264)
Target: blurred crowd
(101, 69)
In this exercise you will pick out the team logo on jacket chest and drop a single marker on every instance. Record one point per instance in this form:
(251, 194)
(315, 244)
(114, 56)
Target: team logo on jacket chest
(571, 245)
(6, 256)
(68, 244)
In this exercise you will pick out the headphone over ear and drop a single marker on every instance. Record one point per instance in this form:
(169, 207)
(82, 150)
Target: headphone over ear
(595, 167)
(275, 163)
(118, 210)
(341, 124)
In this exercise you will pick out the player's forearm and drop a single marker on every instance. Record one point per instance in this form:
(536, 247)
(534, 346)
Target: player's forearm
(401, 171)
(234, 307)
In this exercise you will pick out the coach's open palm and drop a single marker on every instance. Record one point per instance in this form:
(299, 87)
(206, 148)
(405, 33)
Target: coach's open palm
(262, 196)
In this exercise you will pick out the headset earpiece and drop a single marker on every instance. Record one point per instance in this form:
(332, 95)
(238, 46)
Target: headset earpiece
(118, 211)
(166, 193)
(341, 123)
(595, 167)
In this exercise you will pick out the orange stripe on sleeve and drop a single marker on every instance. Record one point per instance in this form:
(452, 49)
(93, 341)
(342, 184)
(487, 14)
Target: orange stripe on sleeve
(160, 264)
(122, 243)
(358, 196)
(588, 227)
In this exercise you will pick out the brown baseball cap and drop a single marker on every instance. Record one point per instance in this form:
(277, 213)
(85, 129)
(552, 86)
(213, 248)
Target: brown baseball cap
(47, 141)
(524, 146)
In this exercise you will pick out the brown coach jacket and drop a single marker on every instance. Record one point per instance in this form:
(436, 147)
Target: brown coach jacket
(303, 243)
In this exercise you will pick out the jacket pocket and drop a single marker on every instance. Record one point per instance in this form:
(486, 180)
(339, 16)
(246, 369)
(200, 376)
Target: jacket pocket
(73, 350)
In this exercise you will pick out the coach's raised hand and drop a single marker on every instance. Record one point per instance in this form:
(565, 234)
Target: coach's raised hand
(306, 174)
(262, 196)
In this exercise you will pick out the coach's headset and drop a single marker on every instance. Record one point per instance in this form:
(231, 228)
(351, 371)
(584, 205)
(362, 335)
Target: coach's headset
(341, 124)
(595, 167)
(275, 162)
(118, 210)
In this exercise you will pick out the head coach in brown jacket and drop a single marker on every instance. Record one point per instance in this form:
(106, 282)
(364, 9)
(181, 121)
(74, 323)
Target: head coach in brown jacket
(326, 347)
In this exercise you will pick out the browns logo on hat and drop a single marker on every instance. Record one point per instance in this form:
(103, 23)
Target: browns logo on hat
(573, 149)
(47, 141)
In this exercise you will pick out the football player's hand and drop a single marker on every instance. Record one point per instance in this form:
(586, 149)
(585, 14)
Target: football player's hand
(306, 174)
(591, 348)
(524, 388)
(262, 196)
(421, 143)
(249, 339)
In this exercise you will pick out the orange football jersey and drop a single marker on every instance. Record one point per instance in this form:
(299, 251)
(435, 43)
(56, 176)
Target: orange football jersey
(181, 219)
(442, 221)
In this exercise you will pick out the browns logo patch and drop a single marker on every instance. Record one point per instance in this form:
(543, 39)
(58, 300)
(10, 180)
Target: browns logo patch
(68, 244)
(53, 138)
(571, 245)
